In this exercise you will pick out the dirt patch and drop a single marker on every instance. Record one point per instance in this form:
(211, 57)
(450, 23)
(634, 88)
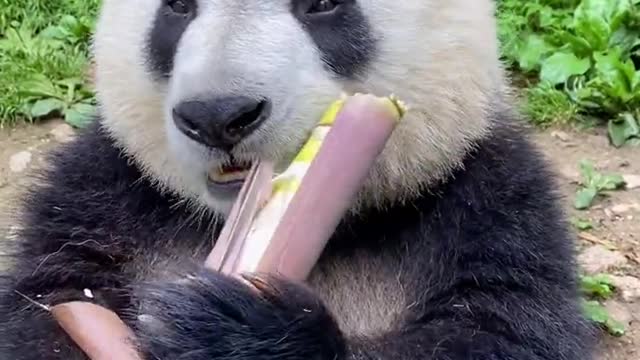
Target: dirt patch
(615, 217)
(21, 151)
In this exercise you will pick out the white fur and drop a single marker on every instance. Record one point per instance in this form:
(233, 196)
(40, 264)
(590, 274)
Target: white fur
(440, 56)
(364, 292)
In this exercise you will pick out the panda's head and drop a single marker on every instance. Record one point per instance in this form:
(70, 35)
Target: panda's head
(195, 90)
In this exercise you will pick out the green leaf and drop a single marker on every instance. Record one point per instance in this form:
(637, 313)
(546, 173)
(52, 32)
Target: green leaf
(611, 182)
(40, 86)
(596, 31)
(599, 20)
(557, 68)
(616, 74)
(610, 11)
(598, 285)
(80, 115)
(597, 313)
(54, 32)
(46, 107)
(622, 129)
(619, 13)
(588, 171)
(623, 38)
(578, 44)
(591, 179)
(636, 81)
(584, 198)
(615, 327)
(581, 224)
(532, 51)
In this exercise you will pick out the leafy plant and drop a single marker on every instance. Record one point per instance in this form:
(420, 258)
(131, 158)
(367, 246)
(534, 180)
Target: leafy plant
(586, 50)
(595, 312)
(595, 184)
(65, 98)
(594, 288)
(44, 47)
(581, 224)
(71, 30)
(599, 286)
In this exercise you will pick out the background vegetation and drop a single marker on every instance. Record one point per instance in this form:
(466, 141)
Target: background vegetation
(44, 47)
(579, 61)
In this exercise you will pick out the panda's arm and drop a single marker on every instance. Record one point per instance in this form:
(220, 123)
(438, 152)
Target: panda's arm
(89, 222)
(492, 267)
(486, 268)
(493, 272)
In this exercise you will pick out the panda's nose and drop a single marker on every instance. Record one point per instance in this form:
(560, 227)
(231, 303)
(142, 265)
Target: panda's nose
(220, 122)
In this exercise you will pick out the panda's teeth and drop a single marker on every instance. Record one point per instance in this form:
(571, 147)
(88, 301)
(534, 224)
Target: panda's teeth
(218, 176)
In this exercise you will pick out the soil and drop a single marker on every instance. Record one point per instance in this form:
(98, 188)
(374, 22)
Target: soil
(617, 231)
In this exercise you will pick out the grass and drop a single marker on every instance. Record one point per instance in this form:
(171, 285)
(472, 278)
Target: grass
(44, 50)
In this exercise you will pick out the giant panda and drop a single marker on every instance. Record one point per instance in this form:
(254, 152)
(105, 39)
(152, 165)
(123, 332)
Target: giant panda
(455, 247)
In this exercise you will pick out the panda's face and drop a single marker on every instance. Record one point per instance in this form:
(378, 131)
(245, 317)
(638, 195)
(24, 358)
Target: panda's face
(196, 90)
(248, 79)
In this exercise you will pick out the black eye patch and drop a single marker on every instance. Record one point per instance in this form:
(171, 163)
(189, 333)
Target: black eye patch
(342, 34)
(168, 27)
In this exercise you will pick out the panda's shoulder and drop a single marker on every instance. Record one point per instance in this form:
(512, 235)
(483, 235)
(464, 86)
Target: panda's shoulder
(504, 173)
(508, 158)
(89, 183)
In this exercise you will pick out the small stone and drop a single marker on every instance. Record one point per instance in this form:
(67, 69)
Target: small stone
(145, 318)
(619, 312)
(20, 161)
(561, 135)
(608, 213)
(63, 133)
(632, 181)
(598, 259)
(625, 208)
(627, 286)
(88, 293)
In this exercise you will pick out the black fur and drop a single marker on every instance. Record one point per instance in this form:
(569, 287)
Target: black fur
(165, 36)
(344, 36)
(488, 264)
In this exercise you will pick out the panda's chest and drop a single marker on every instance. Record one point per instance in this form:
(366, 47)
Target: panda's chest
(364, 292)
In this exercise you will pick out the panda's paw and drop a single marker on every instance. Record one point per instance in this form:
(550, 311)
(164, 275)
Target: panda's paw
(212, 316)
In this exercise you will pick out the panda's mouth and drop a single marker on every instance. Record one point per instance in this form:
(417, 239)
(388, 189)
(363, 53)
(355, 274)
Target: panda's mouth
(229, 176)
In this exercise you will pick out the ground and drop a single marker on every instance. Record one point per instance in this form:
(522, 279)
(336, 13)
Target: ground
(611, 247)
